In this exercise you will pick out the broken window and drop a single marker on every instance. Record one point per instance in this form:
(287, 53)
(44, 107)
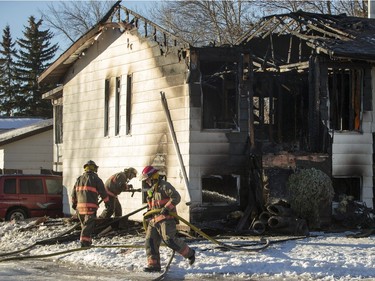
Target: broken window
(345, 89)
(263, 110)
(220, 189)
(219, 96)
(348, 187)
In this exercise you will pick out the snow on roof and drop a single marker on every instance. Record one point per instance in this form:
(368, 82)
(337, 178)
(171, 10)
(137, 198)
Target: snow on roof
(34, 128)
(9, 123)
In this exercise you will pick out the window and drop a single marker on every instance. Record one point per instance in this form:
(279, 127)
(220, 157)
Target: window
(345, 90)
(31, 186)
(220, 189)
(348, 187)
(117, 105)
(219, 96)
(264, 110)
(106, 107)
(128, 103)
(10, 186)
(58, 123)
(54, 186)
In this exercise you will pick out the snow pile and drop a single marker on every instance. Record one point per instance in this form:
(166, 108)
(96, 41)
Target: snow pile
(323, 256)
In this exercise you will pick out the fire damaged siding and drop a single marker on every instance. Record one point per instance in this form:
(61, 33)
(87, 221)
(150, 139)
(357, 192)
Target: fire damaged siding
(96, 124)
(218, 132)
(351, 158)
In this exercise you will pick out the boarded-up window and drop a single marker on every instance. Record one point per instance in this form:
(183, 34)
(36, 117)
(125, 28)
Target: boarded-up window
(346, 93)
(128, 103)
(106, 107)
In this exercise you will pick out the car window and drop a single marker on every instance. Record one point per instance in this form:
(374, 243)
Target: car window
(10, 186)
(54, 186)
(31, 186)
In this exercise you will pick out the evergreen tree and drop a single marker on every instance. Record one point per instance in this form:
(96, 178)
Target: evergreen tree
(35, 53)
(9, 87)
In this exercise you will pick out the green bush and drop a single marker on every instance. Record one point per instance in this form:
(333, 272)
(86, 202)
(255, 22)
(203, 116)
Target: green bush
(309, 190)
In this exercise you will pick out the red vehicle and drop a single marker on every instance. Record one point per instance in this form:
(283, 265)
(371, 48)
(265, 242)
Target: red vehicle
(26, 196)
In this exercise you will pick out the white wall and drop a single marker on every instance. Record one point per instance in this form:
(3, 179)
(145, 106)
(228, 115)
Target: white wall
(30, 154)
(118, 55)
(352, 153)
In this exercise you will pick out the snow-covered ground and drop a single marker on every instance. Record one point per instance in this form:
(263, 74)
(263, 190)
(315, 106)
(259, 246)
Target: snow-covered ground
(323, 256)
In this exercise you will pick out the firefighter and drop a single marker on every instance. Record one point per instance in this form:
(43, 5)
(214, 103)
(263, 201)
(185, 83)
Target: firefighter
(162, 226)
(85, 200)
(116, 184)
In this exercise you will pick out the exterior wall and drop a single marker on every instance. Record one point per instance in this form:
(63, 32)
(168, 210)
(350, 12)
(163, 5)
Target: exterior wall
(118, 55)
(30, 154)
(352, 154)
(215, 151)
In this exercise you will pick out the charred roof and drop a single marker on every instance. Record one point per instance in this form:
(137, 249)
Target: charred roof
(292, 37)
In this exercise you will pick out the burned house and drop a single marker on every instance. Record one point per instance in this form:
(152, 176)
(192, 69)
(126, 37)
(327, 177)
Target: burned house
(311, 81)
(129, 93)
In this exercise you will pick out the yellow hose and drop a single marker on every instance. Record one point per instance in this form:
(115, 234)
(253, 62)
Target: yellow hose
(200, 232)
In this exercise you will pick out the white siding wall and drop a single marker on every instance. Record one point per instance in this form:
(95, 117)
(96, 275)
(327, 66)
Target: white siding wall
(352, 154)
(83, 113)
(30, 154)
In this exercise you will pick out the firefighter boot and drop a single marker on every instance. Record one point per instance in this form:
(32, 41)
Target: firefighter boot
(152, 269)
(192, 258)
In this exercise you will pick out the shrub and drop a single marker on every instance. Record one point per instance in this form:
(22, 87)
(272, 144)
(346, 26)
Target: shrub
(308, 190)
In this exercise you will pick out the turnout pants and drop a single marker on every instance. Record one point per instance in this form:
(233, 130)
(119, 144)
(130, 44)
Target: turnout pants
(164, 231)
(87, 228)
(115, 208)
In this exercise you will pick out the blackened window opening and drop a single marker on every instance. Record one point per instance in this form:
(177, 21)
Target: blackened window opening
(345, 89)
(219, 95)
(347, 187)
(220, 189)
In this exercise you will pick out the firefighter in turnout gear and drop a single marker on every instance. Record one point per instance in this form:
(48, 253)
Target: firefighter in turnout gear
(85, 200)
(162, 227)
(116, 184)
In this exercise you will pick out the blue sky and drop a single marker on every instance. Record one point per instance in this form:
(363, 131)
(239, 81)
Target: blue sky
(16, 13)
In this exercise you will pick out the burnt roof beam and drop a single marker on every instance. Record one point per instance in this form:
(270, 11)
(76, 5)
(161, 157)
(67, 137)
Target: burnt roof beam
(265, 24)
(322, 30)
(155, 26)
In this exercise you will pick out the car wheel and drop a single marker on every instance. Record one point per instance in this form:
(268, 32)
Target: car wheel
(16, 214)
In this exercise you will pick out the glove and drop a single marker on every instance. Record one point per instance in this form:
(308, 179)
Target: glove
(127, 187)
(164, 211)
(74, 206)
(150, 193)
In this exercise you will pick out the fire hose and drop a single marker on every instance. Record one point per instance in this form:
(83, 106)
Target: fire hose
(265, 242)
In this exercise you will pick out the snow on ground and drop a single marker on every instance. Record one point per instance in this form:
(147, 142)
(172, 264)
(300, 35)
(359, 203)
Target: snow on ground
(323, 256)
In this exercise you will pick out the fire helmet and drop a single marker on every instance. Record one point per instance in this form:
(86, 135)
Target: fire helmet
(148, 172)
(91, 165)
(130, 172)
